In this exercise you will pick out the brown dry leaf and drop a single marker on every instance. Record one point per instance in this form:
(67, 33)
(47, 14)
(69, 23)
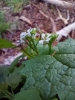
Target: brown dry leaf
(23, 18)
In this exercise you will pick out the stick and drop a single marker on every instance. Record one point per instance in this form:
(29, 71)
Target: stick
(61, 3)
(65, 31)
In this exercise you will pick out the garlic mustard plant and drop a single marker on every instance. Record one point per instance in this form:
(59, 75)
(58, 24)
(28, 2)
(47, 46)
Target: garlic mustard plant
(36, 43)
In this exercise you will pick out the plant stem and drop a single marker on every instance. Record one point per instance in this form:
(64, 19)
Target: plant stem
(34, 45)
(30, 45)
(49, 49)
(12, 90)
(9, 95)
(25, 51)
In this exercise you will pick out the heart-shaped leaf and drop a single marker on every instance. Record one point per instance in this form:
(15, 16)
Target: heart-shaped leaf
(53, 75)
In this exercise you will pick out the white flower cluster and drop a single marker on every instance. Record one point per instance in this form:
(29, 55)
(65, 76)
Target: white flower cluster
(45, 38)
(26, 34)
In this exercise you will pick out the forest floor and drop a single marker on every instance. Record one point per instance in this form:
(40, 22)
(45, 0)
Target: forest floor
(36, 15)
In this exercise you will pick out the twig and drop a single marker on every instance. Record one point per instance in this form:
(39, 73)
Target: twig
(47, 17)
(65, 31)
(65, 20)
(23, 18)
(61, 3)
(51, 19)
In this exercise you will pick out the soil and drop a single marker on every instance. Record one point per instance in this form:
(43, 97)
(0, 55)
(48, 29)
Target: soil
(33, 14)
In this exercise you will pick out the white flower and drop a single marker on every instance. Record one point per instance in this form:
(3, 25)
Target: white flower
(26, 34)
(23, 35)
(48, 36)
(30, 30)
(41, 42)
(45, 38)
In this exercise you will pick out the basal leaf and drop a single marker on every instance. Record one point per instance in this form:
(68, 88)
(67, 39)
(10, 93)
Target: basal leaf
(13, 64)
(55, 99)
(2, 75)
(5, 44)
(3, 87)
(13, 79)
(29, 94)
(43, 49)
(53, 75)
(66, 53)
(2, 95)
(3, 84)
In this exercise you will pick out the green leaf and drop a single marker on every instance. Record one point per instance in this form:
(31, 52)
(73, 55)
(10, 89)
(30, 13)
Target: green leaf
(3, 84)
(5, 44)
(53, 75)
(13, 64)
(3, 87)
(2, 75)
(14, 78)
(2, 95)
(66, 53)
(43, 49)
(55, 99)
(29, 94)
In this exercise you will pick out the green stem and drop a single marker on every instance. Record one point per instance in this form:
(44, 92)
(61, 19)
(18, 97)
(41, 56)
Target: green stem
(12, 91)
(25, 51)
(49, 49)
(50, 44)
(34, 45)
(30, 45)
(9, 95)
